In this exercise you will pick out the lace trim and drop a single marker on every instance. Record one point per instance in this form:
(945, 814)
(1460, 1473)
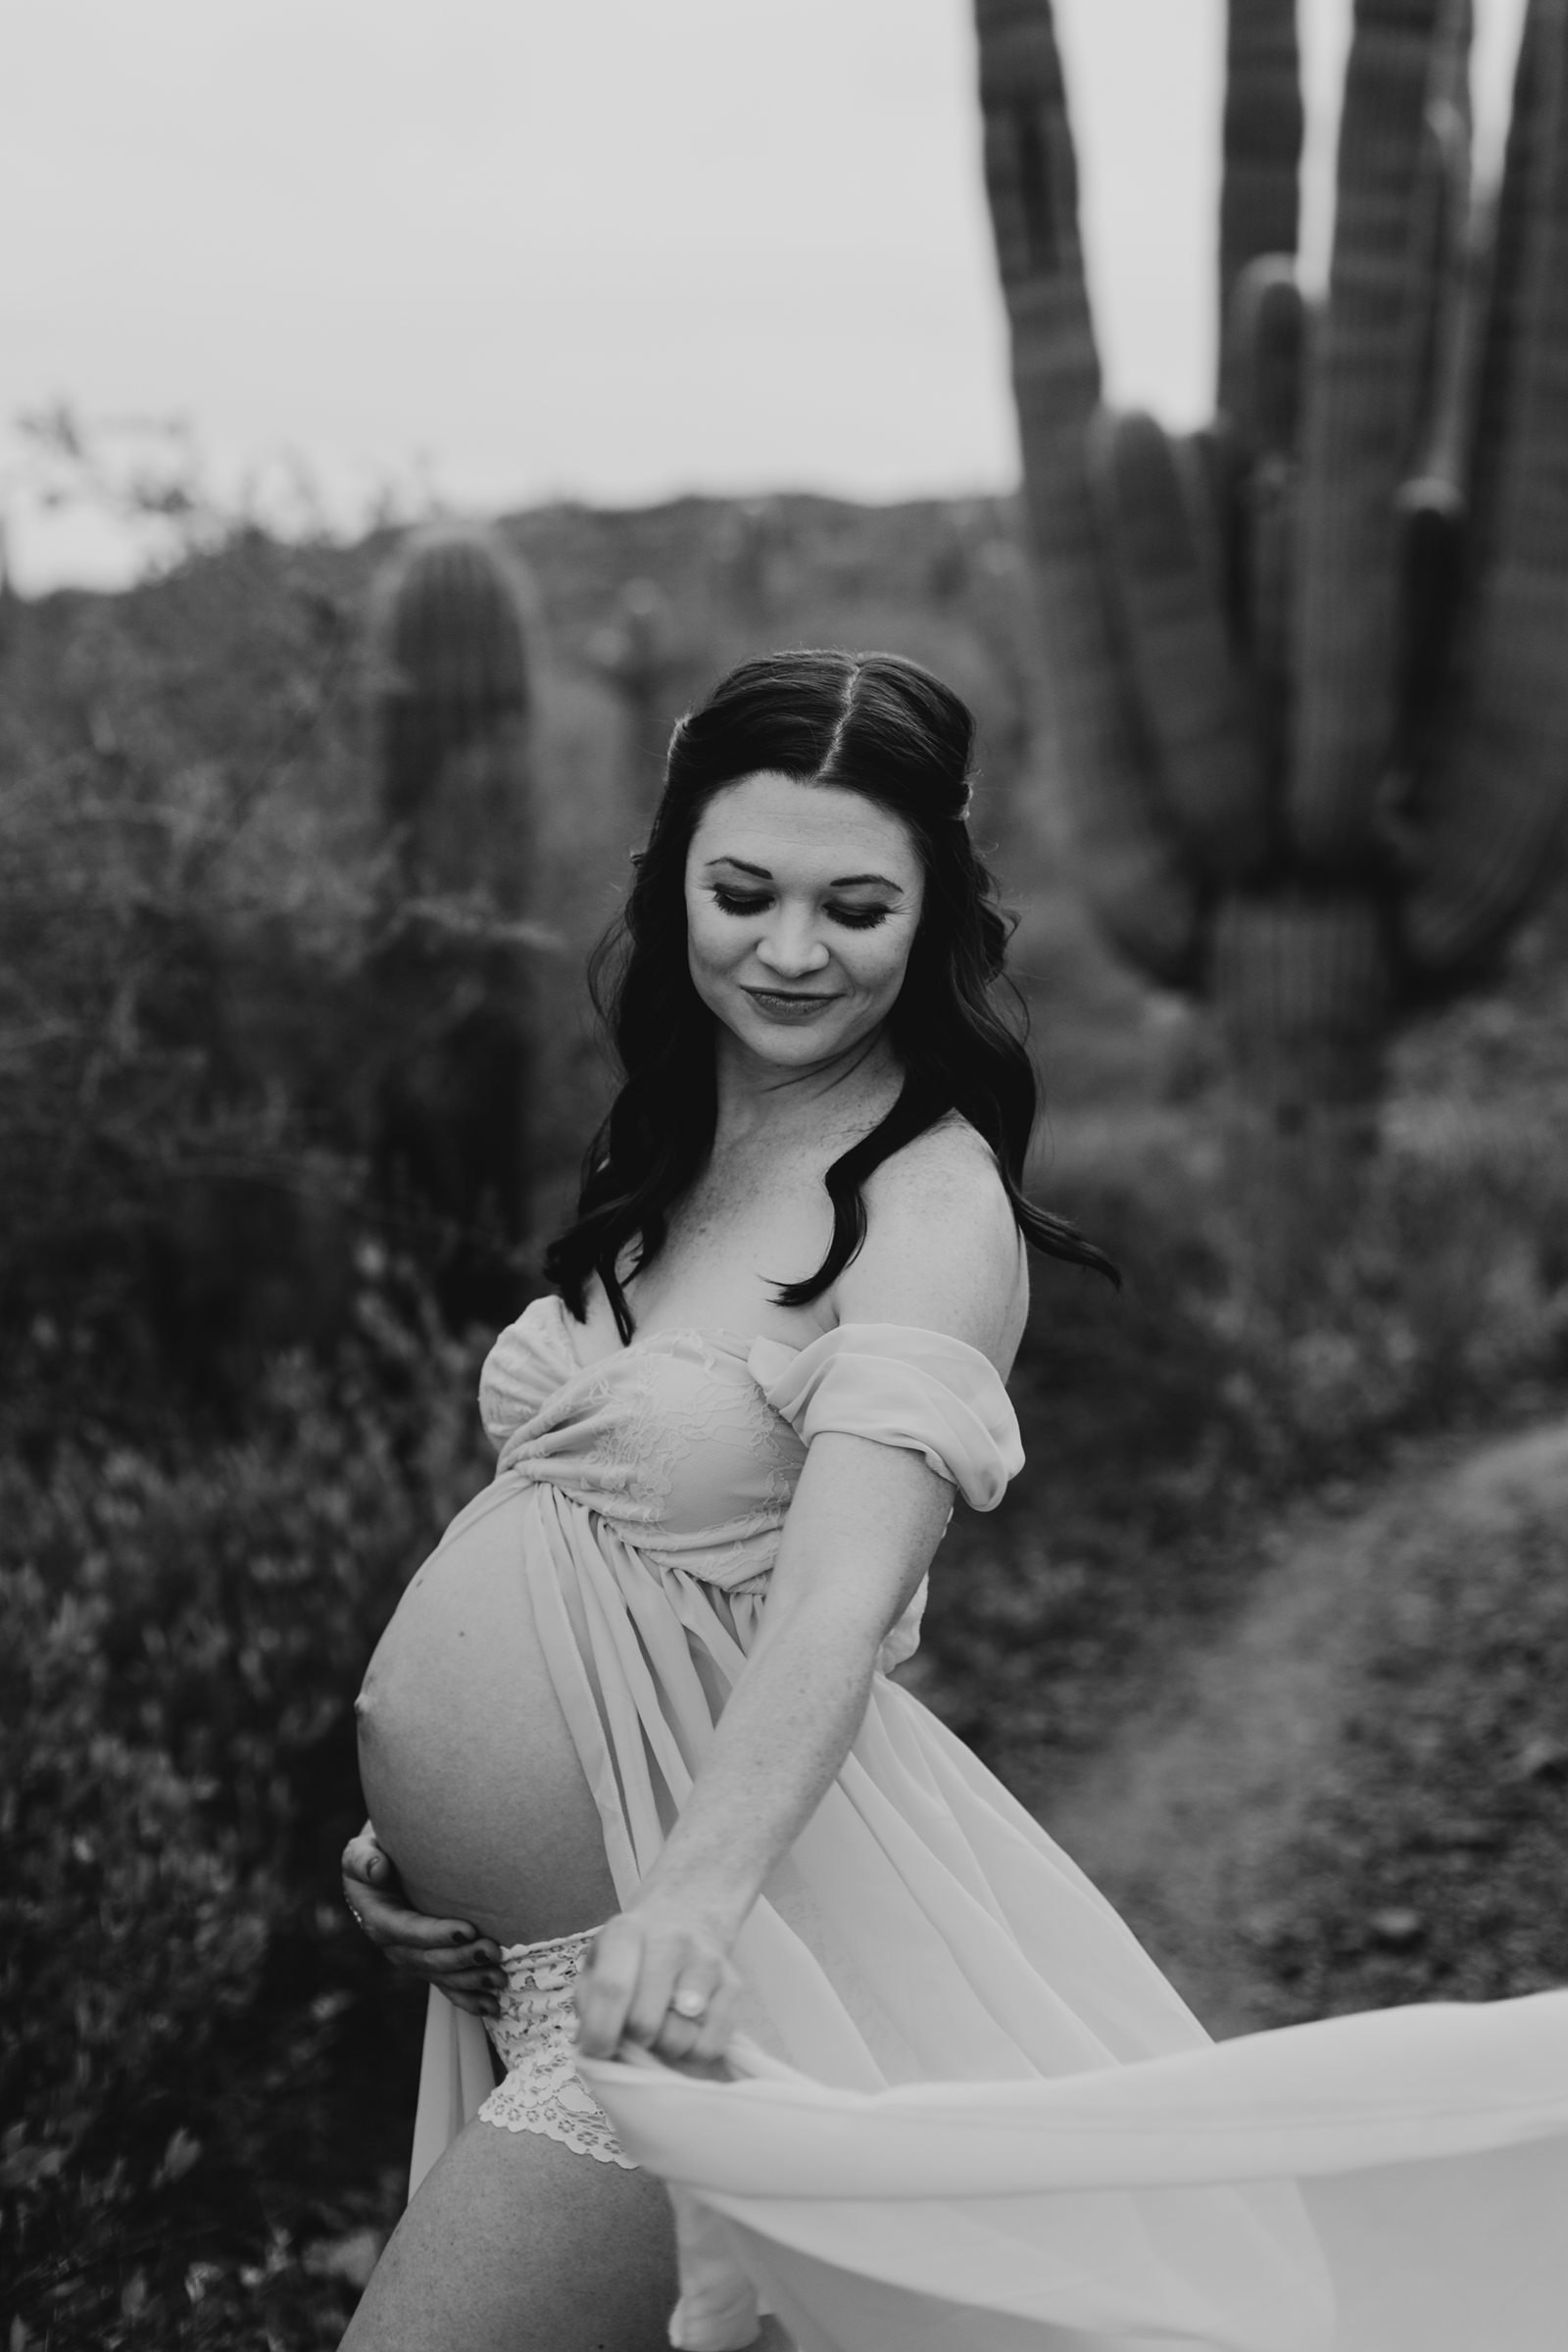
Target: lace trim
(535, 2039)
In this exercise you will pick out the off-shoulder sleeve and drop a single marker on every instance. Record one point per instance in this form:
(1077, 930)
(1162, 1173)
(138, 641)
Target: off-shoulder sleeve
(901, 1386)
(529, 1361)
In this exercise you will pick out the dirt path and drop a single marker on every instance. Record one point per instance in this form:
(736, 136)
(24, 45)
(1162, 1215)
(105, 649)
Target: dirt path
(1183, 1819)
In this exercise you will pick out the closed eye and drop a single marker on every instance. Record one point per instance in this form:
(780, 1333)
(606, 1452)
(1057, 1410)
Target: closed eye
(742, 902)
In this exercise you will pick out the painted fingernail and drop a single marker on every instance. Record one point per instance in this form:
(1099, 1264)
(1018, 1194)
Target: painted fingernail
(459, 1935)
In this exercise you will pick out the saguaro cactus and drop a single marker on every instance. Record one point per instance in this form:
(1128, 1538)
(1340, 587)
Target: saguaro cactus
(1312, 663)
(454, 703)
(451, 972)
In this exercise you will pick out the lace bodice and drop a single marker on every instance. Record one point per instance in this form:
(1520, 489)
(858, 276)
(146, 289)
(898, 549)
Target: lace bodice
(688, 1443)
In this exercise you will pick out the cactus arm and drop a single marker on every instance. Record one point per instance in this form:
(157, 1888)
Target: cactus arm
(1266, 340)
(1500, 307)
(1132, 871)
(1430, 505)
(1260, 206)
(1266, 333)
(1440, 262)
(1497, 799)
(1361, 406)
(453, 703)
(1167, 571)
(452, 620)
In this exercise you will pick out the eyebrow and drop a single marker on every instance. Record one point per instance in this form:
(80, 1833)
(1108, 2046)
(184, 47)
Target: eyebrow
(839, 881)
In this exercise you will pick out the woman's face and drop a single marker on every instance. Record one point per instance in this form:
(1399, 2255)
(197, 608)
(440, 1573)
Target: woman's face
(802, 906)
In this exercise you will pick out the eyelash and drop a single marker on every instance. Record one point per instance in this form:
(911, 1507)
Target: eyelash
(853, 918)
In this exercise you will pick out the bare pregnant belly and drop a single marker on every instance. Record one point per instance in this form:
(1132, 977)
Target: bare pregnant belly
(468, 1766)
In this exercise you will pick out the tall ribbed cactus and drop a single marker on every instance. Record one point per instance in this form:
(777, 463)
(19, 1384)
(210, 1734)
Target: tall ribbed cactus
(1311, 664)
(452, 974)
(453, 703)
(1261, 200)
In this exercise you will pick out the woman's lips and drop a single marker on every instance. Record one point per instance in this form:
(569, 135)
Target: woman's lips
(784, 1005)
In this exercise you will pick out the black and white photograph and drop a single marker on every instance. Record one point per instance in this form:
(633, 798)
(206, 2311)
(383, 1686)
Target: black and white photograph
(784, 1176)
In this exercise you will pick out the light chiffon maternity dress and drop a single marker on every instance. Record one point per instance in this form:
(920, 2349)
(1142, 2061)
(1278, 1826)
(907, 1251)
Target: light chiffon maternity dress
(971, 2115)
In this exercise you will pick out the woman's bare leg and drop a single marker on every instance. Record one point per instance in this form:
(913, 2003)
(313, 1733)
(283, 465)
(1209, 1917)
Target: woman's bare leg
(515, 2243)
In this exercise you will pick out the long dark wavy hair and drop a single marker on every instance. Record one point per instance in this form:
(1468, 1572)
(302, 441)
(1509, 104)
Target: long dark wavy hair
(871, 723)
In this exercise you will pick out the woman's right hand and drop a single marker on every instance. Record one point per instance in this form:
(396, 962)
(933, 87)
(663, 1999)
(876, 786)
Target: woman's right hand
(447, 1953)
(659, 1977)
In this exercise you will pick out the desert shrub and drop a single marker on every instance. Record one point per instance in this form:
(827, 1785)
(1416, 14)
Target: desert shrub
(184, 881)
(191, 2031)
(1166, 1426)
(1448, 1300)
(1453, 1298)
(1143, 1461)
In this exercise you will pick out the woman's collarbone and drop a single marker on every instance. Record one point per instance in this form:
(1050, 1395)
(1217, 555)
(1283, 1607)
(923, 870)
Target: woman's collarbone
(723, 1262)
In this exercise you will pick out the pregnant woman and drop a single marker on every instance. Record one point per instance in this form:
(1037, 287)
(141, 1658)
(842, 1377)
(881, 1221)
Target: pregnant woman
(624, 1685)
(629, 1745)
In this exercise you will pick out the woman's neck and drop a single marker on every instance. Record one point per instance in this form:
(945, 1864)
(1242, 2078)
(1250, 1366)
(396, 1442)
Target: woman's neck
(758, 1099)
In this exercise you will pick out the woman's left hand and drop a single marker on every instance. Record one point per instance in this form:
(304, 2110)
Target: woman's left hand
(660, 1978)
(447, 1953)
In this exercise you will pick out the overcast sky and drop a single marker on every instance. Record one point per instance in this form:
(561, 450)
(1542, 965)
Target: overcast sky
(611, 251)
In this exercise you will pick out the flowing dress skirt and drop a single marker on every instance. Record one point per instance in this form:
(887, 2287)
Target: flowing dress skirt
(974, 2115)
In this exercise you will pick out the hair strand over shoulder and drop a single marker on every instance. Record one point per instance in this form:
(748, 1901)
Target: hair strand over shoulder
(872, 724)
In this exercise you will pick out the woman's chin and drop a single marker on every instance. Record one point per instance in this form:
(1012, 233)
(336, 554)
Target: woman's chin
(788, 1040)
(794, 1043)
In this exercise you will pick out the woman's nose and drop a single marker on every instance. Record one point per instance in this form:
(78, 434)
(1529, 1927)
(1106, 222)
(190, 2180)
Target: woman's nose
(791, 946)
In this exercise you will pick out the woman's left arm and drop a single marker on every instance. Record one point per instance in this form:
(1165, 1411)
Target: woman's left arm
(859, 1535)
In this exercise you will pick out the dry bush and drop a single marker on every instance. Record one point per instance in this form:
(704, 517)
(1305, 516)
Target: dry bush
(184, 880)
(197, 2052)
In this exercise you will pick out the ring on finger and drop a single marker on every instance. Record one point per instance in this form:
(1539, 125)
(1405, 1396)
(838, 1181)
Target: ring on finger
(356, 1916)
(689, 2003)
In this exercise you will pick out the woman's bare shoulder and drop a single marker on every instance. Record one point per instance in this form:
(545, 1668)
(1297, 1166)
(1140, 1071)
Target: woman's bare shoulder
(948, 1166)
(942, 1249)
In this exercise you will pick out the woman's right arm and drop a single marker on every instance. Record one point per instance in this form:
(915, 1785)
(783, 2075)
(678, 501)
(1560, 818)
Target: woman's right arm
(447, 1953)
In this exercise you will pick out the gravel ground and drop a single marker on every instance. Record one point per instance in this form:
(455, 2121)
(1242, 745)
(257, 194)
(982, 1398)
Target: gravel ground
(1356, 1793)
